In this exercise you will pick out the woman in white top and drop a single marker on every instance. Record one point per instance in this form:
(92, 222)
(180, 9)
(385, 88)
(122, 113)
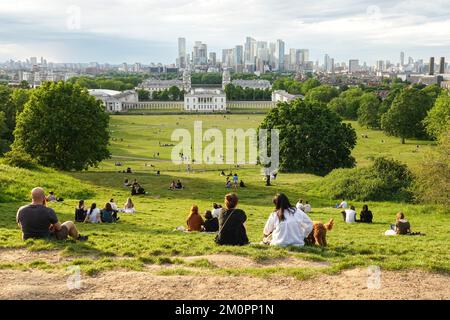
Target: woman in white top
(349, 215)
(287, 225)
(93, 215)
(129, 206)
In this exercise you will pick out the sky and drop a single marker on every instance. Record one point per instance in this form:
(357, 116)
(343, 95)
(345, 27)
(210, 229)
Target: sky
(145, 31)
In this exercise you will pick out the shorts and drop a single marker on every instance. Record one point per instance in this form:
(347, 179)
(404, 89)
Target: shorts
(60, 234)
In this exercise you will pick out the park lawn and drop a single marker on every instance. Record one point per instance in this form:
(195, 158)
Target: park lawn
(148, 237)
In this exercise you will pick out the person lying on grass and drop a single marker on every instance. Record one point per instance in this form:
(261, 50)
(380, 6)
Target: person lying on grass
(194, 221)
(232, 223)
(38, 221)
(287, 225)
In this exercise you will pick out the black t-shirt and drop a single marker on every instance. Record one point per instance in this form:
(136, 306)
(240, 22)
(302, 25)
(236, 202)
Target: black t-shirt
(211, 225)
(366, 216)
(36, 220)
(233, 232)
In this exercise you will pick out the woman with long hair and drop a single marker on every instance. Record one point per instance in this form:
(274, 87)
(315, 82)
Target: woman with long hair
(93, 214)
(231, 223)
(287, 225)
(194, 221)
(129, 206)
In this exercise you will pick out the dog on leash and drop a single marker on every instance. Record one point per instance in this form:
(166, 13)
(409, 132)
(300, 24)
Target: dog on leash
(318, 235)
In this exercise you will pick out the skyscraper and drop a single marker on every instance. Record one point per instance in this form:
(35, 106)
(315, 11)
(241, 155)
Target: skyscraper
(353, 65)
(402, 58)
(238, 58)
(442, 65)
(182, 53)
(279, 55)
(200, 53)
(431, 68)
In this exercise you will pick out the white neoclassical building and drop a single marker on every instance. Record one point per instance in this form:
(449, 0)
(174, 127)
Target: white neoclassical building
(205, 100)
(114, 100)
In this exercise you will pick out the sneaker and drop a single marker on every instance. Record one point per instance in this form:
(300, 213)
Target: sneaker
(82, 238)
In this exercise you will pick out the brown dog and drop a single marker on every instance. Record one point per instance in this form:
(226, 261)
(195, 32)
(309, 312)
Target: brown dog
(318, 235)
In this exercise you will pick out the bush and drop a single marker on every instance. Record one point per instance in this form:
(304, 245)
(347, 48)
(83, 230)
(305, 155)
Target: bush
(19, 159)
(384, 180)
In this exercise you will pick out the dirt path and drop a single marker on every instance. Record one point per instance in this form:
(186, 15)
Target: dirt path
(351, 284)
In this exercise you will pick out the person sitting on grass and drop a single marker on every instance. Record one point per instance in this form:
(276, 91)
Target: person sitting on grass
(366, 215)
(242, 184)
(80, 212)
(343, 204)
(402, 226)
(228, 184)
(194, 221)
(108, 215)
(51, 197)
(232, 223)
(222, 174)
(307, 207)
(173, 185)
(349, 215)
(113, 205)
(38, 221)
(299, 204)
(126, 183)
(179, 185)
(129, 206)
(217, 208)
(287, 225)
(93, 214)
(211, 223)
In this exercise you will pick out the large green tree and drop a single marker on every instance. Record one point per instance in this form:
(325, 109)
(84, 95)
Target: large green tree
(405, 116)
(312, 138)
(62, 126)
(369, 111)
(321, 95)
(347, 104)
(438, 117)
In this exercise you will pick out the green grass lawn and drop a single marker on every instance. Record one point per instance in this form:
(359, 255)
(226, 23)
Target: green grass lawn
(148, 237)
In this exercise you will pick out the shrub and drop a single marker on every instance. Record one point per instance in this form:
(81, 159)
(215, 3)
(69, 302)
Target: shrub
(20, 159)
(384, 180)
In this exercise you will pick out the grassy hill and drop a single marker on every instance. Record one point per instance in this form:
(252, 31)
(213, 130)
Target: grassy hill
(148, 237)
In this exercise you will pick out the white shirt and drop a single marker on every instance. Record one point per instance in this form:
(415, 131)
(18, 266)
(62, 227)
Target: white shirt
(215, 212)
(292, 231)
(113, 206)
(307, 208)
(129, 210)
(92, 218)
(350, 216)
(343, 205)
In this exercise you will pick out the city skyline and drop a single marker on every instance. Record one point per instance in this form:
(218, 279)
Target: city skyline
(133, 31)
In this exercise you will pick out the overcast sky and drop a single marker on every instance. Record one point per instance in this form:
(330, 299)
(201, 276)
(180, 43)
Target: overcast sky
(118, 31)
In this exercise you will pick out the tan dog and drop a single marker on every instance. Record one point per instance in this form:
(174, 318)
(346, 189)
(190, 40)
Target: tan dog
(318, 235)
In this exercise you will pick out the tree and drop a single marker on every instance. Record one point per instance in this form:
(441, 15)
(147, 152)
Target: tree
(64, 127)
(309, 84)
(321, 95)
(347, 104)
(404, 118)
(369, 111)
(144, 95)
(433, 176)
(312, 138)
(438, 117)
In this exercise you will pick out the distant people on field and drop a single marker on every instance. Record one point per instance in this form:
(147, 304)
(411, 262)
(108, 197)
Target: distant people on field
(228, 183)
(173, 185)
(113, 205)
(299, 204)
(343, 204)
(235, 180)
(349, 215)
(307, 207)
(402, 226)
(217, 208)
(242, 184)
(108, 215)
(136, 189)
(211, 224)
(126, 183)
(194, 221)
(365, 215)
(179, 185)
(287, 225)
(93, 215)
(80, 212)
(231, 223)
(222, 174)
(128, 170)
(51, 197)
(129, 206)
(38, 221)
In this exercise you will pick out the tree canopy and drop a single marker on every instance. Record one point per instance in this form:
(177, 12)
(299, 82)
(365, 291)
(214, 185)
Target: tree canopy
(438, 117)
(64, 127)
(312, 138)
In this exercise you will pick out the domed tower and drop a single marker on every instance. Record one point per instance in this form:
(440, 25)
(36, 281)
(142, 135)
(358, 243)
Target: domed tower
(226, 78)
(187, 80)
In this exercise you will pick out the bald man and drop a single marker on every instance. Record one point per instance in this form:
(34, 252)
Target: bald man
(38, 221)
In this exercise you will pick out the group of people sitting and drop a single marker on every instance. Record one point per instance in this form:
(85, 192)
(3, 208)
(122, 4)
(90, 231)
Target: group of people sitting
(108, 214)
(136, 188)
(305, 207)
(176, 185)
(233, 184)
(349, 213)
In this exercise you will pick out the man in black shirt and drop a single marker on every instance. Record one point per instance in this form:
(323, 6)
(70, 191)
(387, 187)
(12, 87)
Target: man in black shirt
(38, 221)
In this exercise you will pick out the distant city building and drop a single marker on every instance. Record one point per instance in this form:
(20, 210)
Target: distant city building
(181, 62)
(283, 96)
(226, 78)
(113, 100)
(205, 100)
(253, 84)
(431, 67)
(442, 65)
(353, 65)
